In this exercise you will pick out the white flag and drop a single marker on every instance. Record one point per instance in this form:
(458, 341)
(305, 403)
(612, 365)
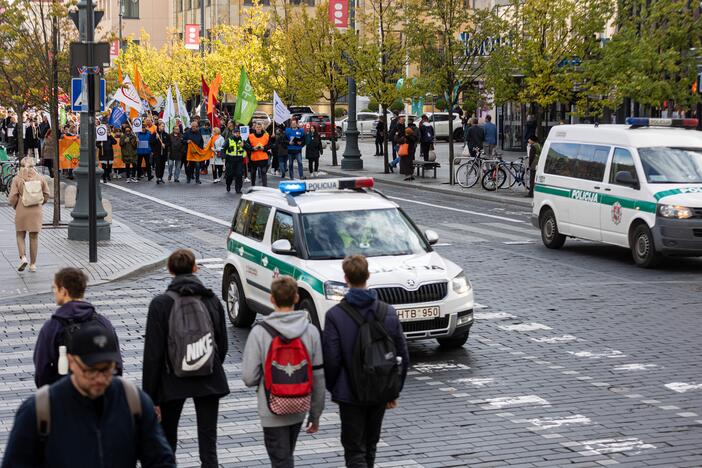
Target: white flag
(280, 110)
(182, 111)
(128, 95)
(169, 113)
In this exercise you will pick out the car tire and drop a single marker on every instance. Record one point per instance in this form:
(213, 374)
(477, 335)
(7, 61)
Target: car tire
(643, 248)
(240, 314)
(306, 303)
(549, 231)
(455, 341)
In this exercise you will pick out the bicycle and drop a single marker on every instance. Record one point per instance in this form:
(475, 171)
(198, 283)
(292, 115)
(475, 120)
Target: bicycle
(468, 173)
(496, 177)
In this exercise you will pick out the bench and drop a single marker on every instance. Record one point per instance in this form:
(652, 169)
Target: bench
(423, 166)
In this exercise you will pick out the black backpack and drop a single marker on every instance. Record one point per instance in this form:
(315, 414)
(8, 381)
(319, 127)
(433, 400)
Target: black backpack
(71, 326)
(191, 337)
(375, 373)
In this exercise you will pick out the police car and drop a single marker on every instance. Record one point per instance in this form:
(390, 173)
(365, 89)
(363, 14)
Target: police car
(304, 229)
(637, 185)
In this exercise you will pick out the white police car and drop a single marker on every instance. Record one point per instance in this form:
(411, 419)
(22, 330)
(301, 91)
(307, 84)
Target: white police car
(306, 228)
(637, 185)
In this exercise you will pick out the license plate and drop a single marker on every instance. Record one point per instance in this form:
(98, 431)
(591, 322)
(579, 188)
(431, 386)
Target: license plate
(417, 313)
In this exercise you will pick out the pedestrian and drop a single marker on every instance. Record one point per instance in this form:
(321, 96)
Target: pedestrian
(234, 155)
(228, 132)
(426, 137)
(193, 135)
(313, 150)
(11, 135)
(143, 152)
(160, 144)
(362, 399)
(296, 140)
(48, 151)
(74, 312)
(392, 133)
(413, 138)
(31, 139)
(28, 192)
(206, 131)
(281, 146)
(476, 138)
(150, 126)
(285, 334)
(184, 349)
(106, 155)
(490, 130)
(44, 127)
(398, 134)
(128, 144)
(258, 145)
(534, 153)
(218, 159)
(89, 418)
(177, 154)
(380, 136)
(404, 153)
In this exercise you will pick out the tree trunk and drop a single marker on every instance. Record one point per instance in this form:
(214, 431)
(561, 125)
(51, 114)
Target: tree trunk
(19, 130)
(332, 119)
(56, 218)
(386, 156)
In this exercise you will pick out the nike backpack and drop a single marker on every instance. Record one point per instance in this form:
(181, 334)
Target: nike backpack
(287, 374)
(374, 373)
(191, 345)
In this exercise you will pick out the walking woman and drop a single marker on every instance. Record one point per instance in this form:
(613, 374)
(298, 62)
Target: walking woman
(160, 145)
(28, 193)
(106, 153)
(313, 150)
(177, 154)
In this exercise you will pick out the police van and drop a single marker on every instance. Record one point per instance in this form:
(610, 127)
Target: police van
(637, 185)
(304, 229)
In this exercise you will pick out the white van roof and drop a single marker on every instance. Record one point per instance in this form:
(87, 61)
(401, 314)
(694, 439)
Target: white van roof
(625, 135)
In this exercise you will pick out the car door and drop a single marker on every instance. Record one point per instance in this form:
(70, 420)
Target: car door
(256, 254)
(283, 228)
(619, 203)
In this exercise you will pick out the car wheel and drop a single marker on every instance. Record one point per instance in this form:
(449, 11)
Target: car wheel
(308, 304)
(455, 341)
(238, 311)
(643, 248)
(549, 231)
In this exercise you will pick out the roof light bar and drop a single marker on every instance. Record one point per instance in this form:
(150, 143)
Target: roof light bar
(301, 186)
(654, 122)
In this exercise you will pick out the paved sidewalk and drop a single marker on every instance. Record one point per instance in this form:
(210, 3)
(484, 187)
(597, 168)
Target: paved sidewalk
(125, 254)
(374, 166)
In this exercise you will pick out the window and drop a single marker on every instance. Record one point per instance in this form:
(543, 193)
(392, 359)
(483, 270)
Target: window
(131, 9)
(241, 217)
(577, 160)
(283, 227)
(259, 219)
(664, 165)
(621, 161)
(441, 118)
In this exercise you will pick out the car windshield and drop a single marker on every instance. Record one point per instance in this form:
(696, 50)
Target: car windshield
(372, 233)
(667, 165)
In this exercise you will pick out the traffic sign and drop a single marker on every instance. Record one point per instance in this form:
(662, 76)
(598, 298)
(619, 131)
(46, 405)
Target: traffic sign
(79, 96)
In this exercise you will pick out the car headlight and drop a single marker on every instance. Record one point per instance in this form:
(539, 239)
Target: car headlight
(674, 211)
(460, 284)
(335, 291)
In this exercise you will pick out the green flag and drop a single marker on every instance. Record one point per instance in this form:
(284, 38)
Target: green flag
(245, 100)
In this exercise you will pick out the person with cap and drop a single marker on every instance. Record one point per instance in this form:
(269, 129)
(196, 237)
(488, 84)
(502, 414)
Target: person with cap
(234, 155)
(89, 418)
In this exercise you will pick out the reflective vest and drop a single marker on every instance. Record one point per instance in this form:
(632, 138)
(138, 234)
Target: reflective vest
(235, 148)
(258, 155)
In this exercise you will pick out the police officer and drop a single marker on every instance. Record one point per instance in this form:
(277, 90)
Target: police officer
(234, 160)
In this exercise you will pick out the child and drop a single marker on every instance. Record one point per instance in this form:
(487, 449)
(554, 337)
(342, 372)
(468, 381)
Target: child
(280, 430)
(218, 162)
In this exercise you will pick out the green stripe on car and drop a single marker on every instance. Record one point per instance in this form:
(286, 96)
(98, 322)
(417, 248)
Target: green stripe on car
(595, 197)
(677, 191)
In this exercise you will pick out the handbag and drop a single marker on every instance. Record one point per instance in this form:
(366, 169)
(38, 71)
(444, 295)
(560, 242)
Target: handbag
(431, 156)
(403, 150)
(466, 152)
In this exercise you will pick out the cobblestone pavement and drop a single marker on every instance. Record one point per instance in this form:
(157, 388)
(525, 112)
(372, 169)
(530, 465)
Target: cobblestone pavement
(577, 357)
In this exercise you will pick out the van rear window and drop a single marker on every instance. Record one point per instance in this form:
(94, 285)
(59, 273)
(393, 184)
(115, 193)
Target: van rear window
(580, 161)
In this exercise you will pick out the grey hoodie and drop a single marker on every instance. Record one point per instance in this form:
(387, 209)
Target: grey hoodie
(290, 325)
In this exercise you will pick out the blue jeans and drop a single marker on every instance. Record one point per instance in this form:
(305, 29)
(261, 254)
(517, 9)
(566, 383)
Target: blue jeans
(292, 157)
(396, 159)
(283, 165)
(171, 165)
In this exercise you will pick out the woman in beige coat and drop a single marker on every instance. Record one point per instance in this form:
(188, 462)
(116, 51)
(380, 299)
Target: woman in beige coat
(28, 219)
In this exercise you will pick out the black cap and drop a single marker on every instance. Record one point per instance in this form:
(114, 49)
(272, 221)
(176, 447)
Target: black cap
(94, 344)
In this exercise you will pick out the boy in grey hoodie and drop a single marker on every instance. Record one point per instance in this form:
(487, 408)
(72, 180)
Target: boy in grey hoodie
(280, 432)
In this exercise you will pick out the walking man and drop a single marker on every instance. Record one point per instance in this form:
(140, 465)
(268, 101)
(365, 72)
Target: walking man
(490, 136)
(296, 140)
(234, 160)
(476, 137)
(286, 333)
(258, 145)
(192, 170)
(143, 152)
(426, 137)
(362, 400)
(186, 362)
(397, 133)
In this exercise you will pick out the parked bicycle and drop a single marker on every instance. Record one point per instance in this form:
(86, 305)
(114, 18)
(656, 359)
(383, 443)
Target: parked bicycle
(469, 172)
(8, 171)
(516, 172)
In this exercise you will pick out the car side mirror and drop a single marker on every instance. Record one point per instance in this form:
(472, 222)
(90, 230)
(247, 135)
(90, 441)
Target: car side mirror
(282, 247)
(625, 178)
(432, 236)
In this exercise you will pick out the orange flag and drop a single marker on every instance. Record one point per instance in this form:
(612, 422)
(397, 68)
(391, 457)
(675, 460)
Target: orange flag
(214, 89)
(197, 154)
(120, 78)
(143, 90)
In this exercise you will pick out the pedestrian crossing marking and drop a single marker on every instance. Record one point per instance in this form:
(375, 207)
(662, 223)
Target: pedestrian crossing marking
(510, 227)
(491, 233)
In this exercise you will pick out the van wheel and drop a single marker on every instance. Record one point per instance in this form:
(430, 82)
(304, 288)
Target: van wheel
(455, 341)
(643, 248)
(238, 311)
(306, 303)
(549, 231)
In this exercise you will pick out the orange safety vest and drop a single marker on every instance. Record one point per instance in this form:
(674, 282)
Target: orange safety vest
(257, 155)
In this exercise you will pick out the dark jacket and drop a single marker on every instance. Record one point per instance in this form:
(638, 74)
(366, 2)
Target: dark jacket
(339, 338)
(476, 137)
(46, 349)
(158, 150)
(43, 128)
(157, 379)
(313, 146)
(281, 143)
(79, 436)
(128, 144)
(31, 137)
(379, 130)
(195, 137)
(178, 147)
(426, 132)
(399, 133)
(107, 153)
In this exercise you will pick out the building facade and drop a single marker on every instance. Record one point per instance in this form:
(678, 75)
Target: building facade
(137, 16)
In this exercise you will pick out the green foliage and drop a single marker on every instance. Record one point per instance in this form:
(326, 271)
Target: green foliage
(373, 105)
(397, 105)
(339, 112)
(441, 104)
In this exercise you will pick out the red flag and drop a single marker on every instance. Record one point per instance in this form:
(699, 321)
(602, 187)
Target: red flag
(211, 116)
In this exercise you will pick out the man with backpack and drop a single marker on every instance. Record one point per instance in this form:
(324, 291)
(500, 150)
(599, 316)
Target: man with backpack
(365, 363)
(283, 358)
(184, 348)
(90, 418)
(73, 313)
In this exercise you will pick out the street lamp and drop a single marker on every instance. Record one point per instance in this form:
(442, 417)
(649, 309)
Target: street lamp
(203, 109)
(351, 159)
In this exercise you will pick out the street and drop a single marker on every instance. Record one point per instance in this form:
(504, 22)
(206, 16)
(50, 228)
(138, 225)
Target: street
(576, 357)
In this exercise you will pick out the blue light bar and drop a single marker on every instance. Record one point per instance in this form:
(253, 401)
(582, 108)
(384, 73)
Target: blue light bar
(347, 183)
(655, 122)
(293, 187)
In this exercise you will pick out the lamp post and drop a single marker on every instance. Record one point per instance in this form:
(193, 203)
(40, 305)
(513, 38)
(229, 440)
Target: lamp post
(121, 13)
(351, 159)
(203, 108)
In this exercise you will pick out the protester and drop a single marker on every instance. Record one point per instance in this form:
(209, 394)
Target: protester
(150, 126)
(192, 169)
(228, 132)
(281, 145)
(490, 136)
(106, 155)
(426, 137)
(285, 333)
(171, 374)
(534, 153)
(177, 154)
(313, 150)
(218, 159)
(234, 161)
(404, 153)
(296, 140)
(89, 419)
(128, 144)
(398, 134)
(28, 192)
(48, 151)
(143, 152)
(361, 416)
(476, 137)
(379, 136)
(258, 145)
(160, 144)
(206, 131)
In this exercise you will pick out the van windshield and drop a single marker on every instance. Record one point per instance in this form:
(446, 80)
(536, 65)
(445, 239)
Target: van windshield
(667, 165)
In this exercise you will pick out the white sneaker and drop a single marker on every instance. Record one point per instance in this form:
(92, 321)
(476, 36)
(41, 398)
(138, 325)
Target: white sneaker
(321, 173)
(33, 268)
(128, 180)
(247, 180)
(23, 264)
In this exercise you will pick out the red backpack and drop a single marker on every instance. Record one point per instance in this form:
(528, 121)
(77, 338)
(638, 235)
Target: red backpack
(287, 374)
